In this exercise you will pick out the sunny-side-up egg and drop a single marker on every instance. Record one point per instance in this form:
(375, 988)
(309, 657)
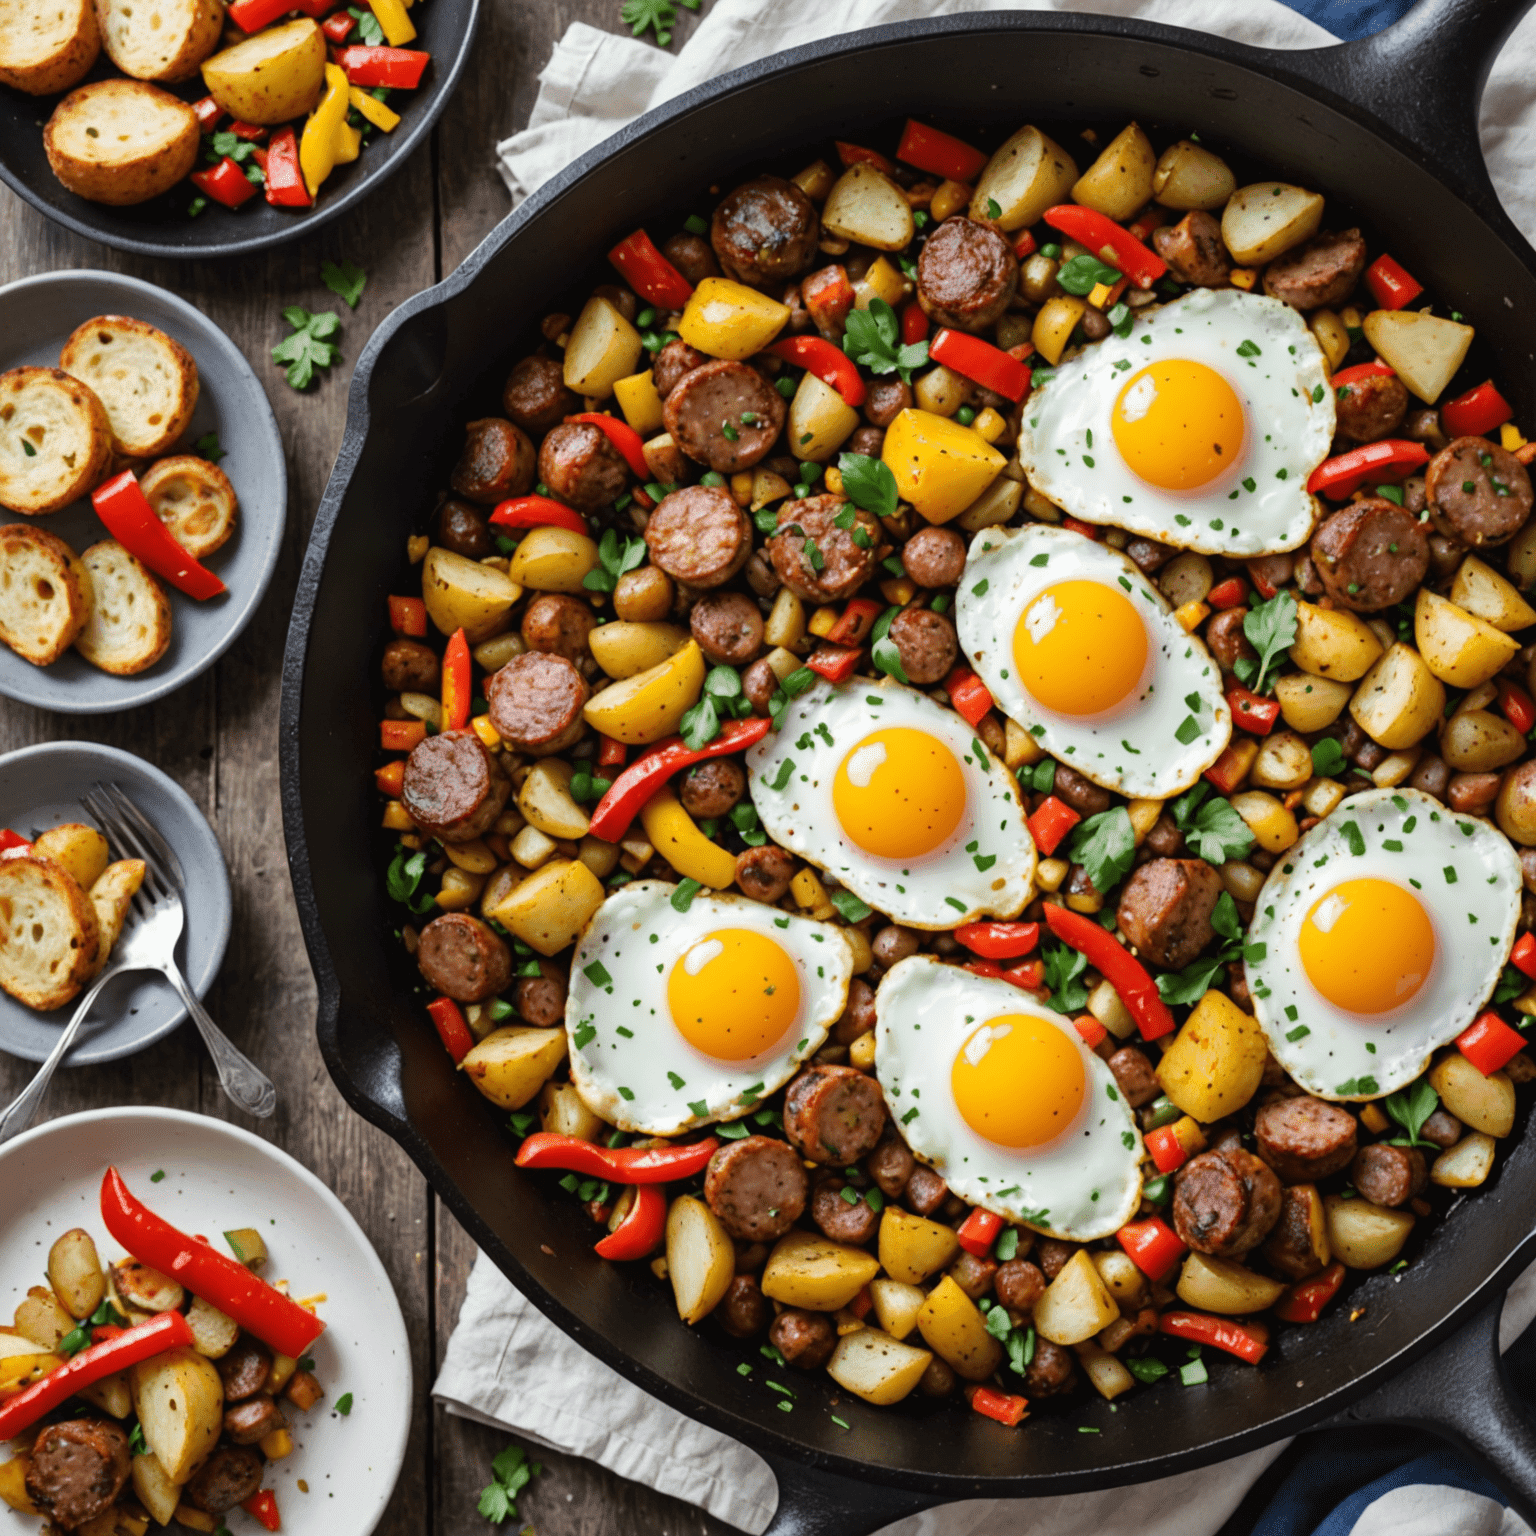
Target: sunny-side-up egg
(676, 1018)
(1005, 1100)
(896, 797)
(1085, 653)
(1384, 930)
(1200, 428)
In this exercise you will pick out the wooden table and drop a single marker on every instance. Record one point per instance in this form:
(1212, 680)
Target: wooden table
(218, 738)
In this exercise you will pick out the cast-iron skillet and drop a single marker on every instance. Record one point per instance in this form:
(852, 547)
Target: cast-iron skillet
(1389, 125)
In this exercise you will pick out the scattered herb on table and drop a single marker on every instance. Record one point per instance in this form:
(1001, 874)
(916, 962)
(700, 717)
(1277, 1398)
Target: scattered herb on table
(307, 348)
(345, 280)
(511, 1472)
(658, 16)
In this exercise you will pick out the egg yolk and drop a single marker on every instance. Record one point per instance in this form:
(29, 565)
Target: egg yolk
(1178, 424)
(1367, 945)
(734, 995)
(1080, 647)
(899, 793)
(1018, 1081)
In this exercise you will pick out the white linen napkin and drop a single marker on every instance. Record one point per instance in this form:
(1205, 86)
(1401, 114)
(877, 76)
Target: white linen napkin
(506, 1364)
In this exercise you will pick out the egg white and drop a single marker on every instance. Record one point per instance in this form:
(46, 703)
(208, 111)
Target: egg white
(1261, 505)
(1473, 910)
(625, 1050)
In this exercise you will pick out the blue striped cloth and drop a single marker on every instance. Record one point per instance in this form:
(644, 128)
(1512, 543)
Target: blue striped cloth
(1350, 18)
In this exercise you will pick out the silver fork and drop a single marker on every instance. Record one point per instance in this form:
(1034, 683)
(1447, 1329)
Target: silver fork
(162, 917)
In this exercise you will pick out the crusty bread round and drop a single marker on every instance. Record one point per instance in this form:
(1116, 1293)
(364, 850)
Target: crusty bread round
(146, 381)
(129, 626)
(121, 141)
(49, 935)
(55, 440)
(194, 499)
(45, 593)
(163, 40)
(46, 46)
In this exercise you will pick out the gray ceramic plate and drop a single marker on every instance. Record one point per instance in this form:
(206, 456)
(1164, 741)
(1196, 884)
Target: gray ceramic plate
(41, 787)
(37, 314)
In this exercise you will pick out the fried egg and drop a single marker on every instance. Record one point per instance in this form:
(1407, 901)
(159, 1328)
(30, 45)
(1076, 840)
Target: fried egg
(1382, 932)
(682, 1014)
(1200, 428)
(897, 797)
(1005, 1100)
(1085, 653)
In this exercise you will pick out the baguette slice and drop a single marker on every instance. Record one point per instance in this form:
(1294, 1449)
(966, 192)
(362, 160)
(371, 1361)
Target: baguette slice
(146, 381)
(45, 593)
(129, 626)
(163, 40)
(121, 141)
(49, 936)
(194, 500)
(114, 888)
(46, 46)
(55, 440)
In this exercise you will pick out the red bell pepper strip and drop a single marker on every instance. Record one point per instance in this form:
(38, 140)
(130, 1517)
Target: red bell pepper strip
(649, 273)
(610, 753)
(394, 67)
(1153, 1245)
(225, 183)
(1228, 771)
(1522, 956)
(457, 685)
(338, 28)
(1090, 1030)
(833, 662)
(1024, 246)
(862, 1304)
(855, 622)
(830, 364)
(1108, 241)
(914, 324)
(622, 436)
(286, 187)
(1252, 712)
(979, 1230)
(1221, 1332)
(401, 735)
(1347, 376)
(857, 154)
(222, 1282)
(13, 840)
(1165, 1149)
(537, 512)
(968, 694)
(1390, 285)
(169, 1330)
(130, 519)
(1124, 972)
(408, 616)
(1517, 707)
(253, 15)
(642, 1226)
(1229, 593)
(1050, 823)
(391, 778)
(828, 297)
(1088, 530)
(980, 362)
(1026, 976)
(1006, 1407)
(1489, 1043)
(930, 149)
(999, 941)
(263, 1506)
(1144, 223)
(1476, 413)
(620, 1165)
(635, 786)
(252, 133)
(1304, 1301)
(207, 112)
(1340, 477)
(451, 1028)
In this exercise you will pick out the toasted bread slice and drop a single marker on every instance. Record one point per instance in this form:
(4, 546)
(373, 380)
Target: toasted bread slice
(121, 141)
(130, 623)
(194, 499)
(146, 381)
(111, 892)
(45, 593)
(49, 935)
(164, 40)
(46, 46)
(55, 440)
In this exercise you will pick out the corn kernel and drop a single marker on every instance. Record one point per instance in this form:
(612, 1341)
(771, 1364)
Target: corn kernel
(1188, 1134)
(416, 548)
(1144, 814)
(1352, 318)
(741, 488)
(1098, 297)
(489, 736)
(1192, 615)
(861, 1053)
(194, 1519)
(833, 480)
(1510, 437)
(1019, 747)
(898, 590)
(1049, 873)
(1373, 1119)
(397, 818)
(808, 890)
(1244, 277)
(991, 424)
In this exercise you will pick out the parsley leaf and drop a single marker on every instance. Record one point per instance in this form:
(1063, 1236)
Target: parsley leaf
(307, 349)
(1191, 984)
(1270, 628)
(368, 27)
(1411, 1107)
(1084, 273)
(511, 1472)
(701, 723)
(868, 483)
(1327, 757)
(658, 15)
(1063, 965)
(404, 876)
(1213, 830)
(872, 339)
(1105, 845)
(615, 559)
(346, 281)
(207, 447)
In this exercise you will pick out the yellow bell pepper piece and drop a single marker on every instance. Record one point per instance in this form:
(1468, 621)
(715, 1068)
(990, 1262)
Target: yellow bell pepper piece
(382, 117)
(727, 319)
(640, 402)
(882, 281)
(390, 15)
(940, 466)
(349, 143)
(677, 838)
(317, 148)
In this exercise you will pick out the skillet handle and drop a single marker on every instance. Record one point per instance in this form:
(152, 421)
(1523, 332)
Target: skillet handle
(817, 1503)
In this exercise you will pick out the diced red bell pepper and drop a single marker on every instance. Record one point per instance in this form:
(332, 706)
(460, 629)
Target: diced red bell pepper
(1092, 1032)
(857, 154)
(451, 1028)
(642, 1227)
(338, 28)
(401, 735)
(1153, 1245)
(855, 622)
(1024, 245)
(286, 187)
(1050, 823)
(1108, 241)
(1266, 588)
(862, 1304)
(1252, 712)
(408, 616)
(1517, 706)
(1088, 530)
(914, 324)
(1144, 223)
(1347, 376)
(253, 15)
(828, 297)
(620, 1165)
(1006, 1407)
(931, 149)
(457, 683)
(999, 941)
(10, 840)
(207, 112)
(981, 362)
(390, 779)
(979, 1230)
(1227, 772)
(263, 1506)
(622, 436)
(1124, 972)
(1522, 956)
(968, 694)
(830, 364)
(1026, 977)
(1229, 593)
(1489, 1043)
(400, 68)
(649, 273)
(225, 183)
(833, 662)
(252, 133)
(1340, 477)
(1476, 413)
(1390, 285)
(130, 519)
(1304, 1301)
(537, 512)
(1165, 1149)
(1220, 1332)
(610, 753)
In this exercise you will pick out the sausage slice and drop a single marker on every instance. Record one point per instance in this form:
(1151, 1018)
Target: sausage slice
(1370, 555)
(229, 1477)
(698, 535)
(765, 231)
(1194, 250)
(535, 397)
(757, 1187)
(463, 958)
(1477, 492)
(725, 415)
(1371, 408)
(1322, 270)
(581, 467)
(536, 702)
(1305, 1139)
(833, 1114)
(77, 1470)
(497, 461)
(815, 557)
(454, 789)
(1165, 909)
(1224, 1203)
(966, 274)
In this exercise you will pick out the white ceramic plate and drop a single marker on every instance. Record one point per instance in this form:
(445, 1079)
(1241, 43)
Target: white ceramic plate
(217, 1177)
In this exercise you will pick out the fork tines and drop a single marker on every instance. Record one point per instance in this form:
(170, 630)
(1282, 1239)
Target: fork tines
(128, 827)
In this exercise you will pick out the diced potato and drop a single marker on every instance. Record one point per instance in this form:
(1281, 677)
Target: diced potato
(624, 648)
(785, 624)
(144, 1287)
(912, 1247)
(1485, 1104)
(1308, 703)
(194, 1519)
(80, 849)
(155, 1491)
(941, 391)
(1119, 183)
(997, 504)
(1024, 178)
(512, 1063)
(1465, 1165)
(1400, 700)
(271, 77)
(248, 1246)
(677, 838)
(701, 1261)
(876, 1367)
(1425, 350)
(553, 559)
(1485, 594)
(1076, 1304)
(1333, 644)
(811, 1271)
(604, 348)
(13, 1483)
(1216, 1061)
(1187, 578)
(563, 1112)
(1458, 647)
(213, 1333)
(1218, 1285)
(1107, 1006)
(940, 466)
(1284, 760)
(1117, 1269)
(1362, 1235)
(953, 1327)
(545, 799)
(1189, 176)
(1478, 741)
(1109, 1376)
(1054, 325)
(728, 319)
(1332, 336)
(1272, 825)
(1264, 220)
(867, 207)
(640, 402)
(1037, 278)
(896, 1305)
(75, 1273)
(463, 594)
(820, 420)
(651, 704)
(42, 1320)
(883, 281)
(180, 1402)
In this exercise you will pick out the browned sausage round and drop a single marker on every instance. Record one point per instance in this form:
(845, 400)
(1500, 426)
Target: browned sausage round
(463, 958)
(743, 1310)
(938, 1380)
(765, 231)
(1224, 1203)
(844, 564)
(925, 1191)
(1305, 1139)
(581, 467)
(229, 1477)
(1432, 775)
(805, 1339)
(497, 462)
(1370, 555)
(1134, 1073)
(536, 702)
(691, 255)
(764, 873)
(1165, 909)
(842, 1220)
(974, 1275)
(1083, 795)
(926, 642)
(711, 788)
(1019, 1285)
(1052, 1370)
(760, 682)
(728, 627)
(246, 1423)
(244, 1369)
(535, 396)
(410, 667)
(558, 624)
(725, 415)
(77, 1469)
(1150, 556)
(1477, 492)
(934, 557)
(699, 535)
(1322, 270)
(833, 1114)
(1289, 1247)
(454, 789)
(1194, 250)
(890, 1165)
(1388, 1175)
(966, 275)
(462, 528)
(1052, 1253)
(1165, 839)
(1472, 793)
(894, 943)
(1371, 408)
(1424, 427)
(1442, 1128)
(868, 441)
(886, 400)
(540, 999)
(1225, 639)
(858, 1017)
(757, 1187)
(672, 362)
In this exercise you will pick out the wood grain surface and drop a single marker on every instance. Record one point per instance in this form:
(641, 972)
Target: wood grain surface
(218, 739)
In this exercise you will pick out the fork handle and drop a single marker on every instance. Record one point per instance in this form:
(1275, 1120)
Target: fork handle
(246, 1085)
(19, 1113)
